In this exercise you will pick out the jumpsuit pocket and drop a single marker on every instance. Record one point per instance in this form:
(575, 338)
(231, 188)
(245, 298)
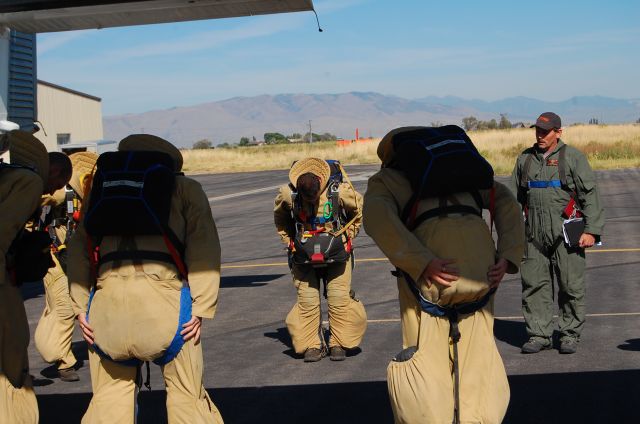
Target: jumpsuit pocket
(419, 378)
(415, 393)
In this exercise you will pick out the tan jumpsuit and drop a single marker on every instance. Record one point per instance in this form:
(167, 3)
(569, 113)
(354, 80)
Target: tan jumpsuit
(421, 388)
(347, 317)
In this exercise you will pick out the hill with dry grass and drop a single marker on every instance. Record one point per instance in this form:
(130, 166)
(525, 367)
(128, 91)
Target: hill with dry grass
(372, 113)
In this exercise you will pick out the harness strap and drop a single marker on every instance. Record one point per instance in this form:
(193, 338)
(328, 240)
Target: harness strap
(346, 226)
(120, 255)
(562, 171)
(178, 341)
(454, 334)
(409, 212)
(524, 175)
(147, 383)
(544, 184)
(546, 251)
(176, 256)
(436, 310)
(443, 211)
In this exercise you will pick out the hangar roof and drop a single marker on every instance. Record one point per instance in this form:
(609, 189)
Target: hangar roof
(35, 16)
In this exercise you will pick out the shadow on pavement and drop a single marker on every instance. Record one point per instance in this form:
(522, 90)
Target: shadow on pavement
(32, 290)
(248, 280)
(586, 397)
(80, 350)
(589, 397)
(283, 336)
(631, 344)
(511, 332)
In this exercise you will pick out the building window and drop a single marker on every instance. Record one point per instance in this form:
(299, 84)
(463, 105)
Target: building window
(64, 139)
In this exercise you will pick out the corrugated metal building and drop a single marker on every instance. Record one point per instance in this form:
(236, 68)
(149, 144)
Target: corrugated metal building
(67, 116)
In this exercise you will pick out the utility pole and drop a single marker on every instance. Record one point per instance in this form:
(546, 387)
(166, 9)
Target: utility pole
(310, 133)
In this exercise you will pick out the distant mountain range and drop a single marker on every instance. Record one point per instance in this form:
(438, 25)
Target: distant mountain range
(372, 113)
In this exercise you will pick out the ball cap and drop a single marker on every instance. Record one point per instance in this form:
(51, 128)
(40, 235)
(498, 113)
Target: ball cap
(548, 121)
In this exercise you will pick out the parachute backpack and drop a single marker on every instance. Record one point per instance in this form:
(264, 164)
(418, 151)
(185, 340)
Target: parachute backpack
(131, 195)
(29, 255)
(439, 161)
(318, 247)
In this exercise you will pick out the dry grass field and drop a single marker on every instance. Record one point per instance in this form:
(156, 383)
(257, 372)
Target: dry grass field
(607, 147)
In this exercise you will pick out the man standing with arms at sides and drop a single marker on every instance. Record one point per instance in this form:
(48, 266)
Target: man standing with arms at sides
(554, 183)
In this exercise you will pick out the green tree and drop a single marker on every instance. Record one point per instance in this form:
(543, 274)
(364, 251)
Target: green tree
(244, 141)
(224, 146)
(470, 123)
(202, 144)
(504, 122)
(275, 138)
(328, 137)
(492, 125)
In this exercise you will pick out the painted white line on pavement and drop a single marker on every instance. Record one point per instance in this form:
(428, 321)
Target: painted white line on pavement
(357, 177)
(242, 193)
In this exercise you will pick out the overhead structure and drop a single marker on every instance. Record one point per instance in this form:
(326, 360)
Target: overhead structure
(35, 16)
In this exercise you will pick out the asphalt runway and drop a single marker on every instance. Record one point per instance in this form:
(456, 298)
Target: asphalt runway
(253, 375)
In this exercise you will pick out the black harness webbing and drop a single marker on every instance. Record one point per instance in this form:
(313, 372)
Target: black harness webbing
(120, 255)
(432, 213)
(544, 250)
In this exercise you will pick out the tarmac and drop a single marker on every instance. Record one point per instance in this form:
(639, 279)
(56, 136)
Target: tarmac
(253, 376)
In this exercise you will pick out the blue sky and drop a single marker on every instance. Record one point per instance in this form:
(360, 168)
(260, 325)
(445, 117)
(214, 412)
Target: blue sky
(550, 50)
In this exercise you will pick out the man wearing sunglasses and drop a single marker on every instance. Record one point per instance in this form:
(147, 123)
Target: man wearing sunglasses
(554, 184)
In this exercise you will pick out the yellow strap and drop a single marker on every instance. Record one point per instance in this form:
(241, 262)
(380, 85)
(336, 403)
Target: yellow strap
(350, 223)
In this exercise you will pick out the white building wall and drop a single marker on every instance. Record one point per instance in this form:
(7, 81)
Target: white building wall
(65, 112)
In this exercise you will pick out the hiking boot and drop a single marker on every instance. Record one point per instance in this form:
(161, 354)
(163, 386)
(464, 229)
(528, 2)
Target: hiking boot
(68, 374)
(312, 354)
(568, 346)
(337, 353)
(535, 345)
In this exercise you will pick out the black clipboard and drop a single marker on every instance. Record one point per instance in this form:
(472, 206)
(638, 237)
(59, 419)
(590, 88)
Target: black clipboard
(572, 229)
